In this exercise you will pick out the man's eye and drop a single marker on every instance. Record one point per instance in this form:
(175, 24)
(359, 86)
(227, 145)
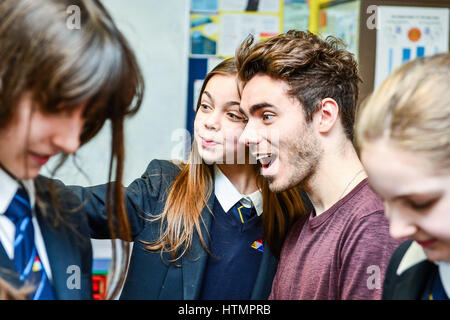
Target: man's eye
(267, 116)
(205, 106)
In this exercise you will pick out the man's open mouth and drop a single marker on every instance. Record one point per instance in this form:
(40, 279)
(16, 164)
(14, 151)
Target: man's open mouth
(265, 160)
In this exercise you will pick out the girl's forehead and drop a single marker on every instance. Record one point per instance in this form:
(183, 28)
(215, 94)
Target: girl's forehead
(394, 172)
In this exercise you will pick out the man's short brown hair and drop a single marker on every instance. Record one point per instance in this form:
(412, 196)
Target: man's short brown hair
(313, 68)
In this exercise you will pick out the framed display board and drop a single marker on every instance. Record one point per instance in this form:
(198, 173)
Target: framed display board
(393, 32)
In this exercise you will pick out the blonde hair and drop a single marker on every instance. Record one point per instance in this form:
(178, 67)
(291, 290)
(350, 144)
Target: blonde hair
(411, 109)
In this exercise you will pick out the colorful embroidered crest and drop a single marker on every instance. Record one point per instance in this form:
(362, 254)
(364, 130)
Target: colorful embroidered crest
(258, 245)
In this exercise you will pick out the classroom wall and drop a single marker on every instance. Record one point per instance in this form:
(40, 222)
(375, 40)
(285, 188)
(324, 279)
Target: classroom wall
(159, 34)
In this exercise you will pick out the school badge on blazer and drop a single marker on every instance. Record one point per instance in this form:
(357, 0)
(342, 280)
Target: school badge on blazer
(258, 245)
(37, 265)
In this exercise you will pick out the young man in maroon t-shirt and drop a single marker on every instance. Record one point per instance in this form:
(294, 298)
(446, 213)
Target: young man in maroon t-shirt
(299, 95)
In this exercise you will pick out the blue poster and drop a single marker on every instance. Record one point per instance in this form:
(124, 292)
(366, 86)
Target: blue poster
(204, 5)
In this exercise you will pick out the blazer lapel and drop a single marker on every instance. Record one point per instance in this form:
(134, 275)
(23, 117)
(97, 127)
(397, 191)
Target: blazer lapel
(7, 269)
(60, 257)
(413, 272)
(60, 251)
(5, 262)
(194, 261)
(412, 282)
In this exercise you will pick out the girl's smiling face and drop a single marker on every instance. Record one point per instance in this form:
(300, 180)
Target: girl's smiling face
(416, 196)
(218, 122)
(34, 136)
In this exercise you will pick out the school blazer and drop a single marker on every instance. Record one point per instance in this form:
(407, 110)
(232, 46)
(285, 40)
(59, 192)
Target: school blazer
(407, 273)
(67, 243)
(149, 277)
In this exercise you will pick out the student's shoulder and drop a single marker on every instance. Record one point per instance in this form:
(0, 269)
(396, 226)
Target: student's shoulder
(56, 201)
(159, 174)
(158, 168)
(164, 166)
(364, 210)
(365, 202)
(46, 188)
(399, 254)
(391, 276)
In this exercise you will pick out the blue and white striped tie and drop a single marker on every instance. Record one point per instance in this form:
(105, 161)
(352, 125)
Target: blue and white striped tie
(26, 258)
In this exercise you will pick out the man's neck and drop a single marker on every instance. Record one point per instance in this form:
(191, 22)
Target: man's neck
(336, 176)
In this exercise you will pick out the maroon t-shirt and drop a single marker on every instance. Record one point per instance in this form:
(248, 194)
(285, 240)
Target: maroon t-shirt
(341, 254)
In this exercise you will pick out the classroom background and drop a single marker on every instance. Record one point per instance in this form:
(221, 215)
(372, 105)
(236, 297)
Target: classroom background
(178, 41)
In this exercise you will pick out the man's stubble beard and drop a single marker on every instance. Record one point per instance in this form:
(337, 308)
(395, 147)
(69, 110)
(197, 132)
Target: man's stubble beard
(304, 157)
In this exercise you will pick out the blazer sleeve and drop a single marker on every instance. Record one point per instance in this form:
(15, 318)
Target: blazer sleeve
(141, 197)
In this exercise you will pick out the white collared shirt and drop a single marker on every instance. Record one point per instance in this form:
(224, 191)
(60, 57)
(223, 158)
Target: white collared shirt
(8, 188)
(227, 194)
(444, 273)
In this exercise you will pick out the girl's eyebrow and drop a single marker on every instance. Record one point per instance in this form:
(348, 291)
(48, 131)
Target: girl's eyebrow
(226, 104)
(209, 96)
(431, 194)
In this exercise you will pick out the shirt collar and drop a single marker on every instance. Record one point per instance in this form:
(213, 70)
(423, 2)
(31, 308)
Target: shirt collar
(412, 256)
(8, 188)
(444, 272)
(227, 194)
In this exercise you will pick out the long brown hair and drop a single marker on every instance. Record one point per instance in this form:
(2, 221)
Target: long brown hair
(63, 67)
(191, 189)
(8, 292)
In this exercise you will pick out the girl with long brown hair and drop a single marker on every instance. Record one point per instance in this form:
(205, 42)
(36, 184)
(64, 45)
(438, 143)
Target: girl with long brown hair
(59, 83)
(209, 228)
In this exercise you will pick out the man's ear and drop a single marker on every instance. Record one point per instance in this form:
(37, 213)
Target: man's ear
(327, 115)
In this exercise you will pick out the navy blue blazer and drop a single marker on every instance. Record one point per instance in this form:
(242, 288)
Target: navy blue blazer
(67, 243)
(149, 277)
(409, 283)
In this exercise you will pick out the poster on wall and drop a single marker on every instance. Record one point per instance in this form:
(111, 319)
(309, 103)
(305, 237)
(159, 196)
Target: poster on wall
(295, 15)
(204, 5)
(251, 5)
(406, 33)
(203, 32)
(342, 21)
(235, 27)
(199, 67)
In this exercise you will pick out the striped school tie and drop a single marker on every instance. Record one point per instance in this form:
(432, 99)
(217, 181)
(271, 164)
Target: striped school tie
(241, 212)
(26, 257)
